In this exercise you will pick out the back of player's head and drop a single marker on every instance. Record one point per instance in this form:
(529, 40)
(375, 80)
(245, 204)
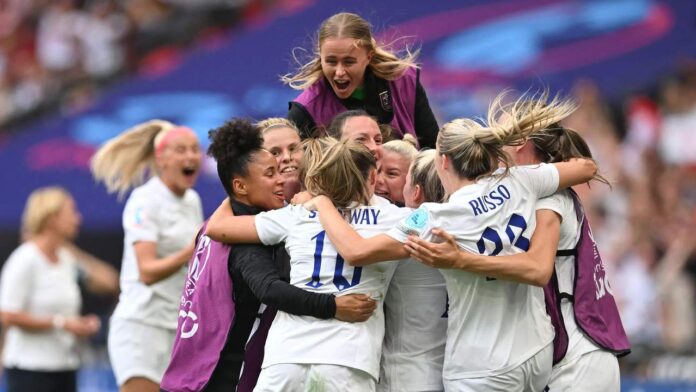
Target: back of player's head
(42, 204)
(559, 144)
(123, 162)
(476, 148)
(424, 174)
(335, 129)
(233, 145)
(338, 169)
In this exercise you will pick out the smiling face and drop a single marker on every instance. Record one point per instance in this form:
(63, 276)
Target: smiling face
(365, 131)
(392, 176)
(285, 146)
(179, 162)
(343, 64)
(262, 187)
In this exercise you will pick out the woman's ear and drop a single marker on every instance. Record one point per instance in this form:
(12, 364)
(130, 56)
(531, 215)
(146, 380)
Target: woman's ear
(418, 195)
(444, 162)
(239, 187)
(373, 177)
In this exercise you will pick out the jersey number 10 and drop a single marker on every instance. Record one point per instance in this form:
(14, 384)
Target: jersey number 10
(339, 280)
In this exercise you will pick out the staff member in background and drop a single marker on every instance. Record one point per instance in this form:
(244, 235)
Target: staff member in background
(351, 71)
(40, 298)
(160, 221)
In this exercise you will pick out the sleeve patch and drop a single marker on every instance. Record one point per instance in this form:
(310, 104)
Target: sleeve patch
(414, 223)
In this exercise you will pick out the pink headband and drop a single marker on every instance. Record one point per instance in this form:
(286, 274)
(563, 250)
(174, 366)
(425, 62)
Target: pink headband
(169, 135)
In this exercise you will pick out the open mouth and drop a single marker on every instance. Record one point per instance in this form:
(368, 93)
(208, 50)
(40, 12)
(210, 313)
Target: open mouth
(342, 85)
(288, 169)
(189, 171)
(279, 194)
(382, 193)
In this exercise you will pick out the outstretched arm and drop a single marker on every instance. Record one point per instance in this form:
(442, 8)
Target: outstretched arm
(223, 226)
(102, 278)
(533, 267)
(354, 249)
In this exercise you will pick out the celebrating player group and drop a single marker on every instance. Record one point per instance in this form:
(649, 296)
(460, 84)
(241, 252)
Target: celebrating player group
(362, 247)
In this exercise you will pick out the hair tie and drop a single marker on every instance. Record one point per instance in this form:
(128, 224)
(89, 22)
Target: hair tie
(166, 135)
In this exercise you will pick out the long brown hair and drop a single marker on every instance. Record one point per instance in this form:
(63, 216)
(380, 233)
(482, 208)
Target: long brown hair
(559, 144)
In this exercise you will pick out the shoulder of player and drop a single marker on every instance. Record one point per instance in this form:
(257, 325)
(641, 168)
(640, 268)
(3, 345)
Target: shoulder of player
(25, 256)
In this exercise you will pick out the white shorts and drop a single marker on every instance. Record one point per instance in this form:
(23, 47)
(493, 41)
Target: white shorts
(291, 377)
(531, 376)
(139, 350)
(596, 371)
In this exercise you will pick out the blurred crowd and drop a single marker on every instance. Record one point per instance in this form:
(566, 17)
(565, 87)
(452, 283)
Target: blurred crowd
(60, 53)
(645, 223)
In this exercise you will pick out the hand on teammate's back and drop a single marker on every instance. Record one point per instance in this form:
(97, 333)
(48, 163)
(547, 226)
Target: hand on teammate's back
(354, 307)
(445, 254)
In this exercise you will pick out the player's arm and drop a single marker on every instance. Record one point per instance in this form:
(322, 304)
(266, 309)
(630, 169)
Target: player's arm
(354, 249)
(224, 226)
(153, 269)
(101, 277)
(256, 266)
(533, 267)
(575, 171)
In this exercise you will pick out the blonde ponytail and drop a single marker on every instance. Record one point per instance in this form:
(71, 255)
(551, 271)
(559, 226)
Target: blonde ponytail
(476, 149)
(124, 161)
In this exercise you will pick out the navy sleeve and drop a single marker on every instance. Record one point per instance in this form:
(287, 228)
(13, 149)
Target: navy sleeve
(425, 123)
(299, 115)
(256, 266)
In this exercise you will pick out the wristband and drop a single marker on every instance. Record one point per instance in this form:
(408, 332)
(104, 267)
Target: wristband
(58, 321)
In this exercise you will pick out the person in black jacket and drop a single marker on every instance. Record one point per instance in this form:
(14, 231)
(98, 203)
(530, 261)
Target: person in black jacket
(350, 70)
(259, 273)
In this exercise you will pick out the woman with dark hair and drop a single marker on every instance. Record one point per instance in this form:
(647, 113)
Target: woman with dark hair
(227, 287)
(304, 353)
(576, 286)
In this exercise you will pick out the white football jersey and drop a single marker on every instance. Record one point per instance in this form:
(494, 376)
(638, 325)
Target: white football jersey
(494, 325)
(415, 311)
(316, 266)
(154, 214)
(562, 203)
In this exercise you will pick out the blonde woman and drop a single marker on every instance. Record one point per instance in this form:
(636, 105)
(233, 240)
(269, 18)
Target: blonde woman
(282, 139)
(397, 156)
(160, 221)
(40, 298)
(415, 308)
(499, 336)
(350, 70)
(304, 353)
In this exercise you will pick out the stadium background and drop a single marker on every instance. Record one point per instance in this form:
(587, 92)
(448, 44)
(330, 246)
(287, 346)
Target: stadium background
(631, 64)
